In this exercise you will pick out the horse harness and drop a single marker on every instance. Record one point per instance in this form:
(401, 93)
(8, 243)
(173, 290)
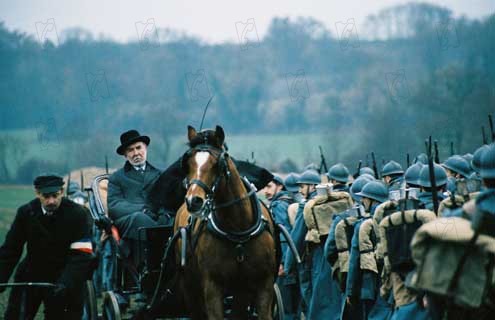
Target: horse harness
(207, 217)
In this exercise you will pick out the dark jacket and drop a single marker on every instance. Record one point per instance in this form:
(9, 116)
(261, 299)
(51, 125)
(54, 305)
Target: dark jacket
(128, 190)
(48, 240)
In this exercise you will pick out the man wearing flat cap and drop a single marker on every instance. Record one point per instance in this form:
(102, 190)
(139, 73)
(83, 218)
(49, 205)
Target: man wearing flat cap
(57, 234)
(128, 190)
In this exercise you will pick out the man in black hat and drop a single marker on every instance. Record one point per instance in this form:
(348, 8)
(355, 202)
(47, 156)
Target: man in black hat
(128, 192)
(57, 234)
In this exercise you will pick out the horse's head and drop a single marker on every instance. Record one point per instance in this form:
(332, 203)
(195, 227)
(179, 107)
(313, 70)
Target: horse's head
(205, 163)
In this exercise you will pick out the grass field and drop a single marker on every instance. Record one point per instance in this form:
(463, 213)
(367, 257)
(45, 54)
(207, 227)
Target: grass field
(269, 149)
(11, 197)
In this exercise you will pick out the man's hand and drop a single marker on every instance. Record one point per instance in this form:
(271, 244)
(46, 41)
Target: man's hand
(281, 271)
(104, 223)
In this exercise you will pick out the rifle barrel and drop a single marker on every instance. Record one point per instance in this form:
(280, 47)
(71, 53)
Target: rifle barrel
(490, 119)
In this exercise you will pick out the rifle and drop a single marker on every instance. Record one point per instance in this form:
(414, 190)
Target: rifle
(367, 160)
(68, 184)
(374, 165)
(490, 120)
(323, 163)
(358, 169)
(483, 135)
(437, 157)
(252, 158)
(106, 164)
(431, 168)
(451, 148)
(408, 161)
(82, 181)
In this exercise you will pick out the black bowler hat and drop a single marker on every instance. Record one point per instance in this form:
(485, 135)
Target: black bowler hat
(48, 183)
(129, 137)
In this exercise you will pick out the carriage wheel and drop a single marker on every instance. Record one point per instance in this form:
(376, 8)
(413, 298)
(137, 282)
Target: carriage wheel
(111, 309)
(278, 304)
(90, 311)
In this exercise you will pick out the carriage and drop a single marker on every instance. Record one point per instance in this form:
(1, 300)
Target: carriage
(153, 291)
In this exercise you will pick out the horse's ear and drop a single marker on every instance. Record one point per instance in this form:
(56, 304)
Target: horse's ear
(220, 135)
(191, 133)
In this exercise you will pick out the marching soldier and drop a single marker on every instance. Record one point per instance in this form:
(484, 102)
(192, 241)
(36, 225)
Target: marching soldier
(463, 254)
(307, 187)
(280, 200)
(457, 168)
(362, 279)
(392, 175)
(338, 175)
(425, 196)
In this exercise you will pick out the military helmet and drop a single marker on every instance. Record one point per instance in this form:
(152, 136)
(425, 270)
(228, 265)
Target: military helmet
(422, 158)
(367, 170)
(475, 163)
(458, 165)
(309, 177)
(311, 166)
(374, 190)
(440, 176)
(468, 157)
(391, 168)
(367, 175)
(278, 180)
(358, 185)
(487, 163)
(412, 174)
(291, 182)
(339, 173)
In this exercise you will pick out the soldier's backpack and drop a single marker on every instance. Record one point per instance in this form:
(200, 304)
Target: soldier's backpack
(343, 237)
(319, 212)
(397, 231)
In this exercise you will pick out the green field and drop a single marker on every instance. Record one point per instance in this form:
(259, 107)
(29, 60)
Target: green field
(269, 150)
(11, 197)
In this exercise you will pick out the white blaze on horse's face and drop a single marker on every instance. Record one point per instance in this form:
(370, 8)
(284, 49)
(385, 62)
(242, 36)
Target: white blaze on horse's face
(201, 159)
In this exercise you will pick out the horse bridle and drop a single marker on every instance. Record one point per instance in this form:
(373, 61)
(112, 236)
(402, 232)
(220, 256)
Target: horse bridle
(224, 172)
(221, 156)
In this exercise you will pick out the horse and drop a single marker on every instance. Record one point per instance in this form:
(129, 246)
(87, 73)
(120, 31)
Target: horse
(232, 247)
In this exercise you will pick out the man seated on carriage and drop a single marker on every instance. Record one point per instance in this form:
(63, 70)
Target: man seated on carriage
(128, 191)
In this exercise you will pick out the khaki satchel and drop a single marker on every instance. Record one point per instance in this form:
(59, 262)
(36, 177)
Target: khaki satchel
(437, 249)
(319, 212)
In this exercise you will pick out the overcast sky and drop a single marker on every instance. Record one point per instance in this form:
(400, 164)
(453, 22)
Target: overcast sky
(211, 20)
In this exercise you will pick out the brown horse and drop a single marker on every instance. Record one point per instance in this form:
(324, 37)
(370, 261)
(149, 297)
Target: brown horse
(231, 250)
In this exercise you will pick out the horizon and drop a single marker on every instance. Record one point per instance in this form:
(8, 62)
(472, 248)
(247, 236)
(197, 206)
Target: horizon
(209, 27)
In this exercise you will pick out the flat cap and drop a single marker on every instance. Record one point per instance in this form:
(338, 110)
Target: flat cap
(49, 183)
